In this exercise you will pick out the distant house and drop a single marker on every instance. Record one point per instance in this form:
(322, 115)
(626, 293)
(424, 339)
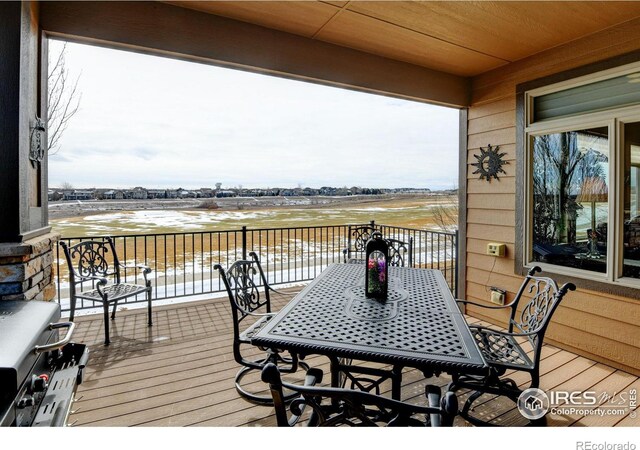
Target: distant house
(171, 193)
(205, 193)
(413, 191)
(113, 194)
(183, 193)
(266, 192)
(156, 193)
(137, 193)
(309, 191)
(327, 190)
(222, 194)
(254, 193)
(77, 195)
(54, 195)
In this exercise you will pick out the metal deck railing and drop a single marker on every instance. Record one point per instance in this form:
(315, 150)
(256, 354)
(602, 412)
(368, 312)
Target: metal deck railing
(182, 263)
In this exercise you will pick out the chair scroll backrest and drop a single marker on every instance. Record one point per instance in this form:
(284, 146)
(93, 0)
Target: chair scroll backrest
(357, 238)
(534, 316)
(400, 253)
(348, 407)
(244, 293)
(91, 259)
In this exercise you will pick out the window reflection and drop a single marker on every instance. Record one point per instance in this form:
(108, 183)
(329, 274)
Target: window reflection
(631, 237)
(570, 198)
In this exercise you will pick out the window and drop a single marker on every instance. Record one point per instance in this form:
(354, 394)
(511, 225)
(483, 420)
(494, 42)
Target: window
(582, 168)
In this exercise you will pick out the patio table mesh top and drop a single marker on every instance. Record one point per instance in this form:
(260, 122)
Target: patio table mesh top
(418, 325)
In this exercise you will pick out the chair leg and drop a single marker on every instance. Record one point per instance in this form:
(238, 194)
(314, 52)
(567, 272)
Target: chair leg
(535, 379)
(467, 407)
(113, 312)
(265, 400)
(73, 307)
(396, 382)
(105, 307)
(150, 320)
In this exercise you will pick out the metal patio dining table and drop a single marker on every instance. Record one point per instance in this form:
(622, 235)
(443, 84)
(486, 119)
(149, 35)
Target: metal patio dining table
(419, 325)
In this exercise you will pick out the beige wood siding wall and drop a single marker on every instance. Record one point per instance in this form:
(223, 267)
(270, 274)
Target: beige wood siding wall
(603, 327)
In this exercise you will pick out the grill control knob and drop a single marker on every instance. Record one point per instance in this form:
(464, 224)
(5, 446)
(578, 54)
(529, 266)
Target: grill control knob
(39, 384)
(25, 401)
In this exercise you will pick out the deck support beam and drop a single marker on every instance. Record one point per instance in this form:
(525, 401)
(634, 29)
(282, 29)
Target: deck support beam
(26, 246)
(23, 196)
(167, 30)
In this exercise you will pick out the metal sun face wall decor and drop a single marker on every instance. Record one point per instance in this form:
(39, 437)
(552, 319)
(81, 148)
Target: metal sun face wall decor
(490, 163)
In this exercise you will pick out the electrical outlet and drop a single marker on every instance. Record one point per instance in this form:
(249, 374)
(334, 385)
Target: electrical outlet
(498, 295)
(496, 249)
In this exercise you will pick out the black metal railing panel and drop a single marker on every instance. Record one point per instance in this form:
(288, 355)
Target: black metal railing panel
(182, 263)
(429, 249)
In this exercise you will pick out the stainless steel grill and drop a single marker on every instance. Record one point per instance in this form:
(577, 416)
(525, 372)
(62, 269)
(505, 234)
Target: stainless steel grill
(39, 372)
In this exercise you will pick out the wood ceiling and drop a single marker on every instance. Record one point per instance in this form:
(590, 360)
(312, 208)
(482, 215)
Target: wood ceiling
(457, 37)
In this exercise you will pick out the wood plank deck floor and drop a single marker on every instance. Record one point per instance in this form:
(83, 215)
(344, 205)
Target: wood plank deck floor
(180, 373)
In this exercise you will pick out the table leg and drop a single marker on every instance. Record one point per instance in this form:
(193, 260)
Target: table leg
(335, 372)
(396, 383)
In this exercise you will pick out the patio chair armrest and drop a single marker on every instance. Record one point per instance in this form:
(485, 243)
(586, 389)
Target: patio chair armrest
(255, 314)
(467, 302)
(145, 269)
(313, 377)
(102, 281)
(275, 290)
(433, 395)
(448, 406)
(271, 375)
(505, 333)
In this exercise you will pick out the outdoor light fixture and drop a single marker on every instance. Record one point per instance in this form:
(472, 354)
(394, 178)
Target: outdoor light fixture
(36, 148)
(377, 267)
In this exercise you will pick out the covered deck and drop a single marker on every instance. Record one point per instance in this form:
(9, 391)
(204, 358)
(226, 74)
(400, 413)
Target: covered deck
(180, 373)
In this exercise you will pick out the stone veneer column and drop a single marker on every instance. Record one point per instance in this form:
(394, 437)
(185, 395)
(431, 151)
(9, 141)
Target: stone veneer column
(26, 269)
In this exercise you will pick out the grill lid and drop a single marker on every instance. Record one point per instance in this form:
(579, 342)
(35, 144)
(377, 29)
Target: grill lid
(23, 325)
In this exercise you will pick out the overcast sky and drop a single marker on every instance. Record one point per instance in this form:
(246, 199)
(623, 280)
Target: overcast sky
(158, 122)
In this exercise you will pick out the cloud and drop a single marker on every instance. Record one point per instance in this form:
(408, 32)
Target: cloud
(162, 122)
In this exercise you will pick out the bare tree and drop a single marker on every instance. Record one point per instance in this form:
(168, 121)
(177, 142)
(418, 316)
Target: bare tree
(66, 186)
(560, 172)
(445, 213)
(63, 99)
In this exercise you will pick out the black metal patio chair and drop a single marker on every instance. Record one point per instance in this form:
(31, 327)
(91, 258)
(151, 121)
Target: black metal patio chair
(400, 252)
(345, 407)
(90, 261)
(250, 309)
(502, 350)
(357, 237)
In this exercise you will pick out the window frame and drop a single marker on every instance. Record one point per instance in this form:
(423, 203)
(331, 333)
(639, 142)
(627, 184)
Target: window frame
(528, 251)
(614, 119)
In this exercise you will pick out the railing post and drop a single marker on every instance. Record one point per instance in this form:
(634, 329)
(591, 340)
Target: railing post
(373, 224)
(410, 251)
(244, 242)
(456, 262)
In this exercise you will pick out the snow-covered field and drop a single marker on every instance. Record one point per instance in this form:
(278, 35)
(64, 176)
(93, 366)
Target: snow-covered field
(182, 246)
